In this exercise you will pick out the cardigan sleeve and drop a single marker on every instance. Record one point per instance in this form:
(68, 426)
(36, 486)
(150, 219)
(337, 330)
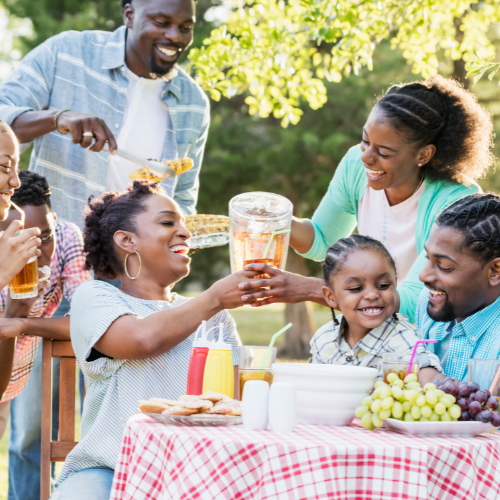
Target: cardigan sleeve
(335, 216)
(410, 290)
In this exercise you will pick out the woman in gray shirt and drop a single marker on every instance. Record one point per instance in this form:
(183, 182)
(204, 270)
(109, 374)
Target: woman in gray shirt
(134, 342)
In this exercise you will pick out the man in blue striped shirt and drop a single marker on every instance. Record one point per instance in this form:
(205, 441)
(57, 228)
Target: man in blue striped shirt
(460, 306)
(122, 87)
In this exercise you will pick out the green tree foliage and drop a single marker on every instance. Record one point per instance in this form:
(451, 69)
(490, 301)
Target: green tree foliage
(281, 53)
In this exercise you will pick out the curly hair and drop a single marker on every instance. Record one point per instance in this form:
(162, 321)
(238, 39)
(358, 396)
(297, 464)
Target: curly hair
(338, 253)
(440, 111)
(477, 217)
(111, 212)
(34, 190)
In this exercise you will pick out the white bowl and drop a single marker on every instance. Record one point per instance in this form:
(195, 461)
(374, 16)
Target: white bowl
(326, 394)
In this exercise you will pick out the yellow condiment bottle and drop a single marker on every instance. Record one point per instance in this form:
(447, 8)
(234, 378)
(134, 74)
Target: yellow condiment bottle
(219, 371)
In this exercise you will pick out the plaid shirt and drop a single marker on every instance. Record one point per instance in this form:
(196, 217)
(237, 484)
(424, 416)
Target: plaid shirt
(328, 346)
(86, 72)
(67, 274)
(477, 336)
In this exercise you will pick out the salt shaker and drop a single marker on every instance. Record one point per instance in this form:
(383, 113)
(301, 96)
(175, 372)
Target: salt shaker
(282, 407)
(255, 405)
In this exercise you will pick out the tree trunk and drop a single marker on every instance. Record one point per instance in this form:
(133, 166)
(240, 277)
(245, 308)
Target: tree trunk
(459, 70)
(297, 338)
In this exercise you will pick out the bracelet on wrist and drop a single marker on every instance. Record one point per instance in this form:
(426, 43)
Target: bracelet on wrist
(56, 118)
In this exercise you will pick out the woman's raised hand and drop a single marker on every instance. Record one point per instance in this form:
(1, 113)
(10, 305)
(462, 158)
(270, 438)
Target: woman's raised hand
(15, 251)
(227, 291)
(282, 287)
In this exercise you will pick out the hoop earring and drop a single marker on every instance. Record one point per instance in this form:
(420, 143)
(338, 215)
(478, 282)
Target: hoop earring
(125, 265)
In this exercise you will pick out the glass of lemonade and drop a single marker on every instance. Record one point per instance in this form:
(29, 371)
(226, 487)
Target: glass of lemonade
(398, 364)
(251, 359)
(486, 373)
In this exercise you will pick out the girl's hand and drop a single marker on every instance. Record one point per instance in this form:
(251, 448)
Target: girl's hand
(227, 291)
(16, 251)
(283, 287)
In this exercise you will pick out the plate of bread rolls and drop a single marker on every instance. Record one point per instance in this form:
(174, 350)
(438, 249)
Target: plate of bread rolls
(209, 409)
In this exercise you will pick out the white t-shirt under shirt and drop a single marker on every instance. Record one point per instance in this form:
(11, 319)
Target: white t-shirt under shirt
(145, 129)
(393, 226)
(114, 386)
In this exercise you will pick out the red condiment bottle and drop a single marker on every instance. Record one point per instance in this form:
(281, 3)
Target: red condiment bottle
(197, 362)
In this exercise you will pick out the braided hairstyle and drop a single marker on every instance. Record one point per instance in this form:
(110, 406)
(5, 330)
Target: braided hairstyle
(111, 212)
(440, 111)
(478, 217)
(338, 253)
(34, 190)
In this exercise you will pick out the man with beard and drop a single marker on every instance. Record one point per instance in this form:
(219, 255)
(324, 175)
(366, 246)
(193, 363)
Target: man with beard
(89, 87)
(460, 306)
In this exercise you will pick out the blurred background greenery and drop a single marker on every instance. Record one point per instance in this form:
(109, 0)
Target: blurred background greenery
(246, 153)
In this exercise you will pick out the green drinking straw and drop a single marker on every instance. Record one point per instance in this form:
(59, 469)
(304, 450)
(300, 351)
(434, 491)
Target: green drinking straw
(271, 240)
(270, 348)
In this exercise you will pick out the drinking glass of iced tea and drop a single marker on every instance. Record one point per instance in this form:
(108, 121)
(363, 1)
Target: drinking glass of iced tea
(398, 364)
(251, 359)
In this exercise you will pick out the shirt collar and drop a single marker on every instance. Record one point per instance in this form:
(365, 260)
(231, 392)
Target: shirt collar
(114, 57)
(371, 342)
(476, 325)
(114, 50)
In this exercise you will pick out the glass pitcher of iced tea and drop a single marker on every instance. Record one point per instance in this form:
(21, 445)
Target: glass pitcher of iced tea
(254, 217)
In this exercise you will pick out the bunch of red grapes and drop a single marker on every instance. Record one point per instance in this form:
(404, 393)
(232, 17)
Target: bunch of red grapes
(475, 403)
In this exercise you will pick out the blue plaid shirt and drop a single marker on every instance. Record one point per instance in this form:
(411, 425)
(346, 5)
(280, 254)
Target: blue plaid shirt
(86, 72)
(477, 336)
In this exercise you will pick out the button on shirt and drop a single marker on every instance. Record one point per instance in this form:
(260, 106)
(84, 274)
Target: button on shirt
(328, 346)
(146, 131)
(477, 336)
(85, 71)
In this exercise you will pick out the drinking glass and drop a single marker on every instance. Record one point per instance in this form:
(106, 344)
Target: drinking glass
(251, 359)
(398, 364)
(485, 373)
(24, 285)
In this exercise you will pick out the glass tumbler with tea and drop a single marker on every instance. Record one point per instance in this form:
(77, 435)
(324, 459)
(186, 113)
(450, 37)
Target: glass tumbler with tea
(398, 364)
(251, 359)
(253, 218)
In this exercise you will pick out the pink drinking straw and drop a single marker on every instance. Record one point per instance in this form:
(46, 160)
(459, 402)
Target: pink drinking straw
(414, 352)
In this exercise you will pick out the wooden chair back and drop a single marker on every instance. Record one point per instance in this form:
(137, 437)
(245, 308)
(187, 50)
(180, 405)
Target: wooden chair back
(57, 451)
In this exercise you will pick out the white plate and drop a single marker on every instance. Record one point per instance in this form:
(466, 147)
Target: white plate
(196, 420)
(437, 428)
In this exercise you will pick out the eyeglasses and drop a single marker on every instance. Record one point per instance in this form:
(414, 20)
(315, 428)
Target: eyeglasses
(47, 239)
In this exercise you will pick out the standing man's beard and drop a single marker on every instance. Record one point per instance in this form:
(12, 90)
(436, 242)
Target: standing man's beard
(445, 314)
(160, 73)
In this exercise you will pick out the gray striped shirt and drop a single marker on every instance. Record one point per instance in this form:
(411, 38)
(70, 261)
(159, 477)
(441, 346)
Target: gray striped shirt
(86, 72)
(114, 386)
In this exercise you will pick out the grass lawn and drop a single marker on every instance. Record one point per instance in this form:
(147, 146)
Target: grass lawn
(255, 326)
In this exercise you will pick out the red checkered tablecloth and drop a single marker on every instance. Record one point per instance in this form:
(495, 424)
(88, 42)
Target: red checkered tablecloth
(166, 462)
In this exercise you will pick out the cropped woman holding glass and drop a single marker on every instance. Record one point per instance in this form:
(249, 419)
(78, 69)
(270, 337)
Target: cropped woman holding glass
(15, 251)
(423, 147)
(135, 342)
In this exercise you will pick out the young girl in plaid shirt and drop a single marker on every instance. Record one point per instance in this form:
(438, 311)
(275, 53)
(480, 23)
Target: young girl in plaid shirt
(360, 279)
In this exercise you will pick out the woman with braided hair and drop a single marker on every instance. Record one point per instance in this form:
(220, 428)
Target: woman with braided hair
(423, 147)
(460, 304)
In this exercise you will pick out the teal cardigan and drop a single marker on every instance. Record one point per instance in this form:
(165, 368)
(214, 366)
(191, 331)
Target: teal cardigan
(336, 217)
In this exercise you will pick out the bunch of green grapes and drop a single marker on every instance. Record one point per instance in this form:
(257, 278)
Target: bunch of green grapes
(406, 401)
